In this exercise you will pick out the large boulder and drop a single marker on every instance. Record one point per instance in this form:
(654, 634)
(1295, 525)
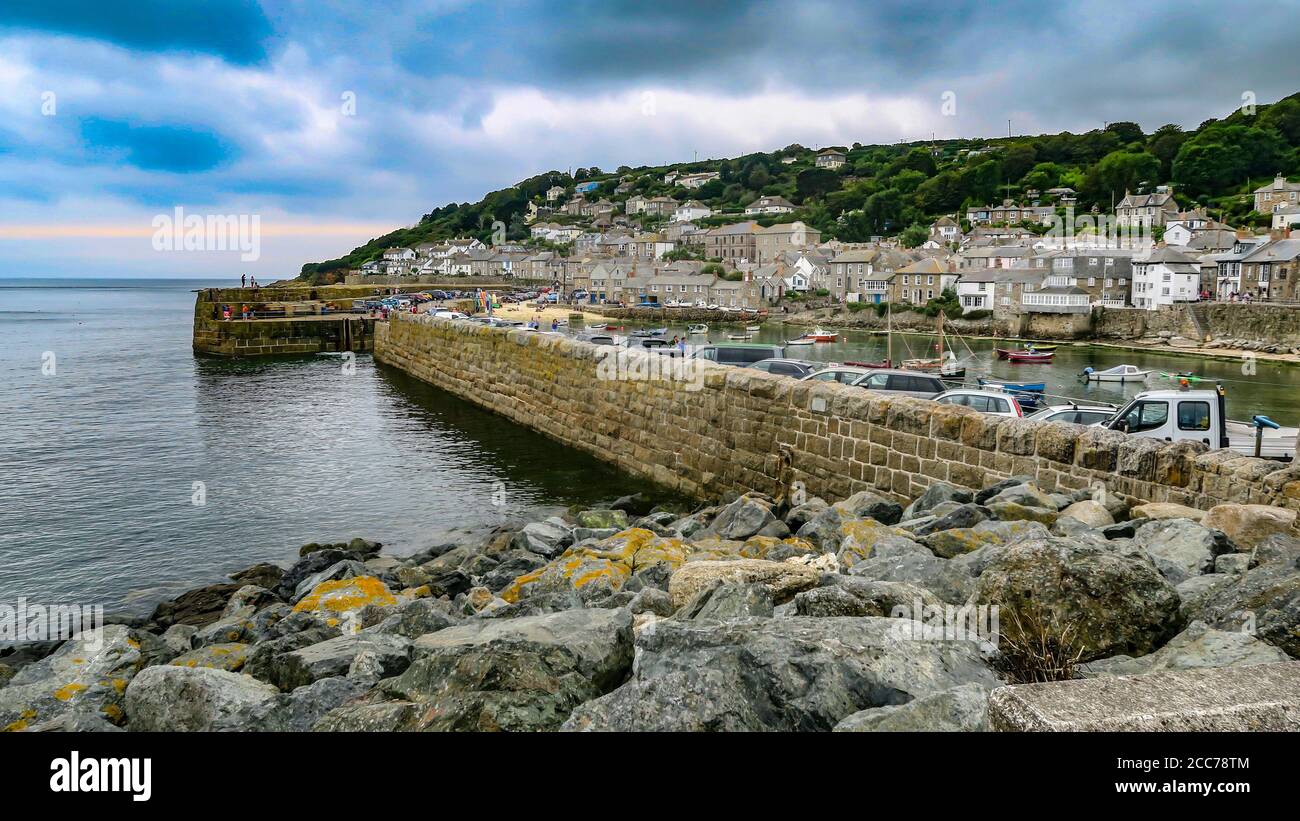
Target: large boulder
(334, 657)
(526, 673)
(1086, 596)
(198, 607)
(1180, 547)
(88, 674)
(782, 579)
(1166, 510)
(1090, 513)
(935, 495)
(776, 674)
(192, 699)
(1250, 525)
(230, 657)
(745, 517)
(1197, 646)
(339, 602)
(731, 601)
(854, 596)
(962, 709)
(950, 543)
(548, 538)
(950, 582)
(868, 505)
(594, 571)
(855, 540)
(1264, 601)
(1025, 495)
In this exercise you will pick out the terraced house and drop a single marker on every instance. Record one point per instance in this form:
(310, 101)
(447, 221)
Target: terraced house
(737, 242)
(1270, 270)
(921, 281)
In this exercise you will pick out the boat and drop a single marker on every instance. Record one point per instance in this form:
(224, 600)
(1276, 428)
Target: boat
(1007, 353)
(818, 335)
(945, 364)
(800, 341)
(739, 337)
(1024, 357)
(753, 327)
(1018, 387)
(882, 364)
(596, 327)
(1119, 373)
(697, 329)
(650, 332)
(1034, 347)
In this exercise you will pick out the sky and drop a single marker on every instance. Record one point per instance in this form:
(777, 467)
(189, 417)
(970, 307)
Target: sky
(323, 123)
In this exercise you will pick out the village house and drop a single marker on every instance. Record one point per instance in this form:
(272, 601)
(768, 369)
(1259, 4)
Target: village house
(831, 158)
(772, 241)
(1271, 269)
(769, 205)
(993, 256)
(732, 243)
(697, 180)
(691, 210)
(945, 230)
(1146, 211)
(1281, 193)
(1165, 276)
(921, 281)
(1101, 273)
(1286, 217)
(586, 187)
(1009, 212)
(554, 193)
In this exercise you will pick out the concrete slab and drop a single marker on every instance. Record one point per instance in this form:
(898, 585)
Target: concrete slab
(1263, 697)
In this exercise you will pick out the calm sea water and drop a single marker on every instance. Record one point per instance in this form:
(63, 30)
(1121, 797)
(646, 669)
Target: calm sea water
(99, 460)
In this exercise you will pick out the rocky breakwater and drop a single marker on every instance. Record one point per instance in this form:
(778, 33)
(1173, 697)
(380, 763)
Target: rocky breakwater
(742, 615)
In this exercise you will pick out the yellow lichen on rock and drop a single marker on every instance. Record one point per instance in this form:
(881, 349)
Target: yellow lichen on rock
(611, 560)
(67, 691)
(346, 595)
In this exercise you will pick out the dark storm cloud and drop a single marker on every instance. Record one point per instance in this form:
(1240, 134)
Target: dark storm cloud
(234, 30)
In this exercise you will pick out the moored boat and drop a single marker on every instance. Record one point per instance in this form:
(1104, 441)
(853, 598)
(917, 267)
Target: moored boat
(1119, 373)
(753, 327)
(739, 337)
(1022, 356)
(701, 328)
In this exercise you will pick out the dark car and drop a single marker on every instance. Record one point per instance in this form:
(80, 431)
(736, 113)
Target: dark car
(910, 383)
(797, 368)
(740, 355)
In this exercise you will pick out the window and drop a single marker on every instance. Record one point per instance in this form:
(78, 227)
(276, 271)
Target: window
(875, 382)
(1147, 416)
(1193, 415)
(998, 405)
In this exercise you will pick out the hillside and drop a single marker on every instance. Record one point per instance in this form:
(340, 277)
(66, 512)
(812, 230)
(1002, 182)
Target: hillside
(889, 189)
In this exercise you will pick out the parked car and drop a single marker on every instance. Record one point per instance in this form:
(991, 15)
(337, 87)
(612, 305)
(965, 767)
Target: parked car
(738, 354)
(994, 403)
(908, 383)
(1078, 414)
(844, 374)
(798, 368)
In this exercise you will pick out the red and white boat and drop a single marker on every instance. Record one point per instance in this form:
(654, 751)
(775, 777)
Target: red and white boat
(1026, 356)
(818, 335)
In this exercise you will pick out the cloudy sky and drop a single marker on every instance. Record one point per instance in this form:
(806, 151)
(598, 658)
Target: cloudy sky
(336, 121)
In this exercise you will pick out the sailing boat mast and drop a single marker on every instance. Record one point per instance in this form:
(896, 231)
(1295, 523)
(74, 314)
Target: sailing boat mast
(889, 334)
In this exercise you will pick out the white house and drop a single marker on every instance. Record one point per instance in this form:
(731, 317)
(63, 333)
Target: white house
(697, 180)
(1164, 277)
(769, 205)
(691, 210)
(831, 158)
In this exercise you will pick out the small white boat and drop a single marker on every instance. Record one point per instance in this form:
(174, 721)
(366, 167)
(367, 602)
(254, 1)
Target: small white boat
(739, 337)
(1119, 373)
(697, 329)
(753, 327)
(800, 341)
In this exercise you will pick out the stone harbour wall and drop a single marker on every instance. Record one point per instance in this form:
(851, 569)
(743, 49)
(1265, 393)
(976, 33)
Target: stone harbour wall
(733, 429)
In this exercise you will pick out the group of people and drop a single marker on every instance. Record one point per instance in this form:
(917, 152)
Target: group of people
(248, 281)
(244, 312)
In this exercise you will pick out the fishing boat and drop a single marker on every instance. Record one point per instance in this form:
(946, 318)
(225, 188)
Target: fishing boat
(818, 335)
(697, 329)
(1025, 357)
(1119, 373)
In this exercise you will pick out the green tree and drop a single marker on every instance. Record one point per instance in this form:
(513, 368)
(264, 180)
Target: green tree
(914, 235)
